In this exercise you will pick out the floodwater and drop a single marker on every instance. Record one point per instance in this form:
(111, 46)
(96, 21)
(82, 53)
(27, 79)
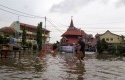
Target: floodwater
(63, 66)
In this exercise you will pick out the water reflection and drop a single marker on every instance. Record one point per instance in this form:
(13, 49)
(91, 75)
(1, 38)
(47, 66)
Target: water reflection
(63, 66)
(78, 70)
(75, 69)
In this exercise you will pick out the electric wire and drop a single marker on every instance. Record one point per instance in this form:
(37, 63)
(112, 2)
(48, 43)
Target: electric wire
(21, 12)
(15, 13)
(34, 16)
(54, 25)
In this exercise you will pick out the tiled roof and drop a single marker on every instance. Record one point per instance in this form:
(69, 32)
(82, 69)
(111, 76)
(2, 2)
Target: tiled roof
(108, 32)
(31, 26)
(8, 29)
(72, 32)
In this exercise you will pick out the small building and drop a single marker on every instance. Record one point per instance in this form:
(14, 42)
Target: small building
(7, 31)
(111, 37)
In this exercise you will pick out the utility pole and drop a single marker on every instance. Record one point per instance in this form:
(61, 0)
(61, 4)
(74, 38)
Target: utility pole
(45, 22)
(16, 29)
(44, 30)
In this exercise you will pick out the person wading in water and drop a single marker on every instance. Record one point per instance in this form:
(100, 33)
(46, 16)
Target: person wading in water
(55, 48)
(80, 49)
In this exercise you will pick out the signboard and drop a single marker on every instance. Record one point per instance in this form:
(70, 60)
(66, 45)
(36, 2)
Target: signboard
(67, 48)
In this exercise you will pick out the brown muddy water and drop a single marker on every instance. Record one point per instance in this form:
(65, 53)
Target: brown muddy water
(63, 66)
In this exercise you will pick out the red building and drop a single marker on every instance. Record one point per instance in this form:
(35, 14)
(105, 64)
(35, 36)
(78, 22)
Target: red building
(71, 36)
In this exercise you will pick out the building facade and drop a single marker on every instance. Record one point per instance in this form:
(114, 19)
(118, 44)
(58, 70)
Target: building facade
(71, 36)
(16, 30)
(111, 37)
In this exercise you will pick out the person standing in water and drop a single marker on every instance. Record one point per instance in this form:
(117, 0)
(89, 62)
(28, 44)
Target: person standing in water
(81, 49)
(55, 48)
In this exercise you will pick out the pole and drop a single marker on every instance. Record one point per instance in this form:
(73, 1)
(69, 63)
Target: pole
(44, 30)
(44, 36)
(45, 22)
(16, 31)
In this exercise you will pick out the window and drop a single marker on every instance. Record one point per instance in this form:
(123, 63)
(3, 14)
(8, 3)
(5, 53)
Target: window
(107, 39)
(111, 39)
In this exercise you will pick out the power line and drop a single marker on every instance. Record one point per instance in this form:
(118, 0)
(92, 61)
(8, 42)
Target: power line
(21, 12)
(33, 16)
(58, 23)
(16, 13)
(54, 26)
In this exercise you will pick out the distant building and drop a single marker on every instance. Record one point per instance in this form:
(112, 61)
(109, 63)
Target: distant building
(16, 28)
(111, 37)
(71, 36)
(7, 31)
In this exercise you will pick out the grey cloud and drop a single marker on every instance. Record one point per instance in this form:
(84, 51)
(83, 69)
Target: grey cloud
(67, 6)
(105, 1)
(120, 3)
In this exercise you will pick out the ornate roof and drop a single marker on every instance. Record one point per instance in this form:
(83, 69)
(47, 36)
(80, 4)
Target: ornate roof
(71, 24)
(73, 32)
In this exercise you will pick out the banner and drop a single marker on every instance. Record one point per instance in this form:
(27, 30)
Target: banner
(67, 48)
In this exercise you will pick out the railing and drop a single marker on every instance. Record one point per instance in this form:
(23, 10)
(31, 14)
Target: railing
(5, 49)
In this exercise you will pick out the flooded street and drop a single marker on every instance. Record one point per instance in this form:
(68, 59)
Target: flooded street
(63, 66)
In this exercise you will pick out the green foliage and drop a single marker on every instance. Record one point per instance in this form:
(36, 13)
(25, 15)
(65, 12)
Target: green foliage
(123, 38)
(1, 39)
(24, 36)
(111, 49)
(101, 46)
(34, 47)
(30, 45)
(39, 36)
(5, 40)
(119, 49)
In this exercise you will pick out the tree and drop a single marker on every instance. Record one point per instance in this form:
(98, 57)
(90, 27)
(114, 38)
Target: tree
(5, 40)
(39, 36)
(102, 45)
(123, 38)
(24, 36)
(1, 39)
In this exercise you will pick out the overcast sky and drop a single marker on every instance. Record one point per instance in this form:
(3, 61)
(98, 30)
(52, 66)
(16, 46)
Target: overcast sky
(92, 16)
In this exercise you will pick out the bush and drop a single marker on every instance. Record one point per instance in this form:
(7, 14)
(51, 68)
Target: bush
(5, 40)
(111, 49)
(102, 45)
(29, 44)
(34, 47)
(1, 39)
